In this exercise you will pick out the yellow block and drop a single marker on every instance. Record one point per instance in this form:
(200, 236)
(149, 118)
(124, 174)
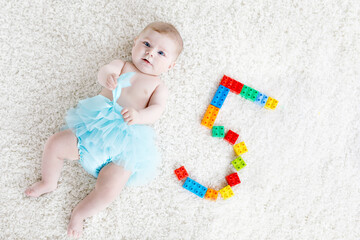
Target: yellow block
(271, 103)
(226, 192)
(240, 148)
(210, 116)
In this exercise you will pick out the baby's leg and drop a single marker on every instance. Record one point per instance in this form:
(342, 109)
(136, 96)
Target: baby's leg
(111, 180)
(60, 146)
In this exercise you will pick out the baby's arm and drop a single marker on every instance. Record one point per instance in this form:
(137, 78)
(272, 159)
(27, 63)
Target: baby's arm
(108, 74)
(151, 113)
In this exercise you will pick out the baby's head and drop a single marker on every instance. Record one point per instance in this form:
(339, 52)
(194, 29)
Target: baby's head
(156, 48)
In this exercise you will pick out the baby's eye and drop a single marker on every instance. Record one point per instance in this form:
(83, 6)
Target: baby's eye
(162, 53)
(147, 44)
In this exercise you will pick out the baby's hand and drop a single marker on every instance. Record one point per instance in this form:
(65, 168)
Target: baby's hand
(130, 115)
(111, 81)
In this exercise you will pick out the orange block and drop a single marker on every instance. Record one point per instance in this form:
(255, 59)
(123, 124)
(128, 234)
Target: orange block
(211, 194)
(210, 116)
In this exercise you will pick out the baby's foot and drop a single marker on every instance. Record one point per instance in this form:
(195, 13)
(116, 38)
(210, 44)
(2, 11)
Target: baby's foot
(75, 226)
(38, 189)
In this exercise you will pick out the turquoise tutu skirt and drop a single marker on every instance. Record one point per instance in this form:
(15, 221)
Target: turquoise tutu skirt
(104, 137)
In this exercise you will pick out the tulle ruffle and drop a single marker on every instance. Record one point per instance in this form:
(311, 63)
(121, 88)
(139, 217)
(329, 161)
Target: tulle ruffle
(104, 137)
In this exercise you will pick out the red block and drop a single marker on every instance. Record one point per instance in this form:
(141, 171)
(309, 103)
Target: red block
(232, 84)
(181, 173)
(236, 87)
(231, 137)
(233, 179)
(226, 81)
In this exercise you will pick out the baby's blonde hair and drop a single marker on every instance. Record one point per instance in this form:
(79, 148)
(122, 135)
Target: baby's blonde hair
(168, 29)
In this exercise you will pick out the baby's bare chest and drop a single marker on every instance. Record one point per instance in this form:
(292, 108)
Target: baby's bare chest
(138, 94)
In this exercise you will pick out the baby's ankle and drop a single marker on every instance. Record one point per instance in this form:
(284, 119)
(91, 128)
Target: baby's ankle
(49, 185)
(77, 215)
(39, 188)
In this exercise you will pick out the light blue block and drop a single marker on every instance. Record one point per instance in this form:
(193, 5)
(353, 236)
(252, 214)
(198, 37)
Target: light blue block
(195, 187)
(261, 99)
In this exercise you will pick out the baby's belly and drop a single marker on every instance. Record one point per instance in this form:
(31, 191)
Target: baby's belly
(125, 100)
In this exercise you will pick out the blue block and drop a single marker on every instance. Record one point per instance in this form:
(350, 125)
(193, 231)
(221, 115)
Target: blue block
(195, 187)
(261, 99)
(220, 96)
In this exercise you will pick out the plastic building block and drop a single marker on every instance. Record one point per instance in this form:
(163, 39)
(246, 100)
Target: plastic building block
(249, 93)
(240, 148)
(252, 94)
(232, 84)
(271, 103)
(195, 187)
(261, 99)
(220, 96)
(237, 87)
(238, 163)
(210, 116)
(181, 173)
(218, 131)
(226, 192)
(244, 90)
(233, 179)
(231, 137)
(211, 194)
(226, 81)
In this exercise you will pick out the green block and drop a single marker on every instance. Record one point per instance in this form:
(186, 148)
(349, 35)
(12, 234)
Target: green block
(252, 97)
(249, 93)
(218, 131)
(238, 163)
(244, 91)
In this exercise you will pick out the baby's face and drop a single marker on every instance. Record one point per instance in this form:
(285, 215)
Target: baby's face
(154, 53)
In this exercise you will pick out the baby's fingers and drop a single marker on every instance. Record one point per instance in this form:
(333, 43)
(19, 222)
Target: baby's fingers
(124, 111)
(111, 82)
(126, 116)
(114, 79)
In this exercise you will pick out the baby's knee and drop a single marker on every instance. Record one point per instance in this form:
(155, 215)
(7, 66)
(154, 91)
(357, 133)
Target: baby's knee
(54, 142)
(51, 142)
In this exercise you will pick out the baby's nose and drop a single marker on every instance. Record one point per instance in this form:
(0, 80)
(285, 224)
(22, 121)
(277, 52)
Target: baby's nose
(150, 52)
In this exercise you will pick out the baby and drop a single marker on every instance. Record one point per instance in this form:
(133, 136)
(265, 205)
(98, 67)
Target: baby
(108, 133)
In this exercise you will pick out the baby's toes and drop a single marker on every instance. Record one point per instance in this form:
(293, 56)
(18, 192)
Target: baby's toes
(77, 234)
(30, 192)
(70, 232)
(74, 232)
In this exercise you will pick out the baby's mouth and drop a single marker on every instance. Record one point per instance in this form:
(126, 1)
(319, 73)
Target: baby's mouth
(147, 61)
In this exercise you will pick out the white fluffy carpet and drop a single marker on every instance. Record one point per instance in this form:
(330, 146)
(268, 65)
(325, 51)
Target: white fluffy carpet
(302, 175)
